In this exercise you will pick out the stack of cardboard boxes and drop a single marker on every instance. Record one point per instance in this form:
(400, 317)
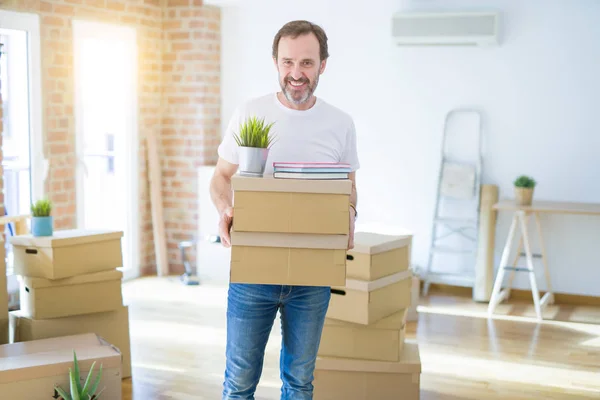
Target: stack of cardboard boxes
(69, 284)
(363, 354)
(290, 231)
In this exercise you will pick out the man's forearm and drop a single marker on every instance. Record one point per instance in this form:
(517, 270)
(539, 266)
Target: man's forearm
(220, 192)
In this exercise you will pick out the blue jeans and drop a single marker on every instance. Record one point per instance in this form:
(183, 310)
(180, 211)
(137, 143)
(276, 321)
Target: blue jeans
(251, 311)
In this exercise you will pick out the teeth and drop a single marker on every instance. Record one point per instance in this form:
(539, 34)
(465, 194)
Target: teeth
(296, 83)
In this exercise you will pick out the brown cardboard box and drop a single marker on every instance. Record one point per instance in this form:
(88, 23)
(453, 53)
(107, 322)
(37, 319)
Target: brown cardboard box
(291, 205)
(288, 259)
(67, 253)
(380, 341)
(3, 306)
(348, 379)
(30, 370)
(366, 302)
(376, 255)
(4, 331)
(111, 325)
(43, 298)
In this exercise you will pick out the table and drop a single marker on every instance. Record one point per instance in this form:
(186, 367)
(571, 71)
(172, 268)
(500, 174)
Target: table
(521, 216)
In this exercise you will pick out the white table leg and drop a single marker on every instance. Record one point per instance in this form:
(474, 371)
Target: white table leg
(529, 257)
(549, 296)
(497, 294)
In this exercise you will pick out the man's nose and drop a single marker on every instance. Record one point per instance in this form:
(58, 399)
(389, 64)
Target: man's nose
(296, 73)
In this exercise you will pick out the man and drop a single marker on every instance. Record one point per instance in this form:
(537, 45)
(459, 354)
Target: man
(307, 129)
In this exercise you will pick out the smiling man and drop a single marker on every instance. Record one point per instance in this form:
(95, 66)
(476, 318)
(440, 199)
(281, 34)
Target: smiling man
(308, 129)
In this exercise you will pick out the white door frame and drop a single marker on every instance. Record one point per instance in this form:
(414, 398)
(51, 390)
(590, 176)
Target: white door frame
(30, 23)
(91, 29)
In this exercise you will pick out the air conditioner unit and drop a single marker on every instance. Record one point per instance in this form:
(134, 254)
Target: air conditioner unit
(445, 28)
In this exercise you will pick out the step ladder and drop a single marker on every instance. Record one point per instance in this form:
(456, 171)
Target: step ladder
(459, 183)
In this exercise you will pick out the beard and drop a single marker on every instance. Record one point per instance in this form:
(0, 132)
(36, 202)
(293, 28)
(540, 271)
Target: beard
(294, 95)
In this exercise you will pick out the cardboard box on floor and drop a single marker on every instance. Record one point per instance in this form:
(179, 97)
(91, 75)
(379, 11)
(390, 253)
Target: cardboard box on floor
(351, 379)
(366, 302)
(377, 255)
(288, 259)
(291, 205)
(380, 341)
(83, 294)
(30, 370)
(111, 325)
(67, 253)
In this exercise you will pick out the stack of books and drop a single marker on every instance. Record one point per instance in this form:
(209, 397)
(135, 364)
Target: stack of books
(311, 170)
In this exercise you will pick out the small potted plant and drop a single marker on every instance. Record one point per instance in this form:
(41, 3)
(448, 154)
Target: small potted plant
(78, 391)
(524, 186)
(254, 141)
(41, 221)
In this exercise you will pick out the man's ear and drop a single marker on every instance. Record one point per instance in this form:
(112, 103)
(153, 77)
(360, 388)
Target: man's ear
(275, 62)
(322, 67)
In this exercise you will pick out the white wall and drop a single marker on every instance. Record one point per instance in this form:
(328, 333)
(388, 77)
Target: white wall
(538, 92)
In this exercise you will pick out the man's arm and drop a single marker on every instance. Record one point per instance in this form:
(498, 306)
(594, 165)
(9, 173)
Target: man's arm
(222, 197)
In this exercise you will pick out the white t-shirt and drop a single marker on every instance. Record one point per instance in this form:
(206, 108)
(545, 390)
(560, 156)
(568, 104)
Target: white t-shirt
(322, 133)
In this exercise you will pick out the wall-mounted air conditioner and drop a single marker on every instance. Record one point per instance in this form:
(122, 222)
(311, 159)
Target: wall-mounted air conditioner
(467, 28)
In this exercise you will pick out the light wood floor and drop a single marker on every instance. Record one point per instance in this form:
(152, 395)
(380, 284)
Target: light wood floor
(178, 342)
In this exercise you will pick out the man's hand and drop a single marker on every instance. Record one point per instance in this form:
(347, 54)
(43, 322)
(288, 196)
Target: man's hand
(225, 222)
(351, 235)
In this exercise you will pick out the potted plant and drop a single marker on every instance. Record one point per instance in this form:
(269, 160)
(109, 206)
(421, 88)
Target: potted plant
(78, 391)
(254, 141)
(524, 186)
(41, 221)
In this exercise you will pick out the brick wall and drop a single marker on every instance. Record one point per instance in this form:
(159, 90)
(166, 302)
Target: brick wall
(191, 76)
(178, 98)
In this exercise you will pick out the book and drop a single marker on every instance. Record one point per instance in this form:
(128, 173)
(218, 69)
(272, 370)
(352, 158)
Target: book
(310, 175)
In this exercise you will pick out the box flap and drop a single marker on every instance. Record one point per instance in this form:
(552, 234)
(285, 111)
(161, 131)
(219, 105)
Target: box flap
(373, 243)
(37, 283)
(291, 240)
(410, 362)
(394, 322)
(67, 237)
(270, 184)
(48, 357)
(369, 286)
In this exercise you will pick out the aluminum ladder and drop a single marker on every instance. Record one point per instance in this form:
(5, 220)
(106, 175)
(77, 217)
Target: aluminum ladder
(459, 183)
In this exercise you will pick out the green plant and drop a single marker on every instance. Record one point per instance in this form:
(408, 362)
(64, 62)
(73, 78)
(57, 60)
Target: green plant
(79, 392)
(524, 181)
(41, 208)
(255, 132)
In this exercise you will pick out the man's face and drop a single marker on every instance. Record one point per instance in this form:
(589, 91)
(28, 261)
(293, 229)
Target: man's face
(299, 67)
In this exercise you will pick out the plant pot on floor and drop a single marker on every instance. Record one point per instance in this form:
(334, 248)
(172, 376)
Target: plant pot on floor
(42, 226)
(253, 161)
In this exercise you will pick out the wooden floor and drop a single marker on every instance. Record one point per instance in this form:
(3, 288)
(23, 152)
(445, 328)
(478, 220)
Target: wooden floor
(178, 342)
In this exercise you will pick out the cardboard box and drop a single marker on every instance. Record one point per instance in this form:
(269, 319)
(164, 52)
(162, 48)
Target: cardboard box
(347, 379)
(111, 325)
(288, 259)
(375, 255)
(67, 253)
(3, 307)
(381, 341)
(291, 205)
(84, 294)
(366, 302)
(31, 370)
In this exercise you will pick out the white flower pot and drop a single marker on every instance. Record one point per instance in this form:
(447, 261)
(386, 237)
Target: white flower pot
(253, 161)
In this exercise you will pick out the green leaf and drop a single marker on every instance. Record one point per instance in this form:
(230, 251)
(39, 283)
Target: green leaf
(74, 390)
(62, 393)
(76, 371)
(525, 181)
(97, 382)
(84, 392)
(41, 208)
